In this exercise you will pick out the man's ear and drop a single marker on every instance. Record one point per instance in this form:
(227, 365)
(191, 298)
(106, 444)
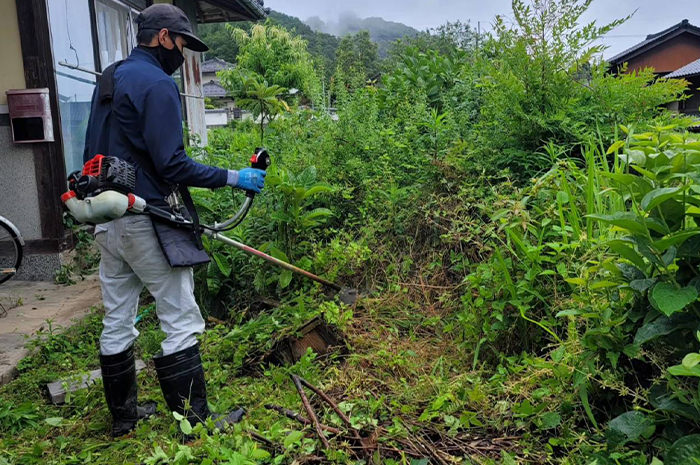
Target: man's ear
(164, 38)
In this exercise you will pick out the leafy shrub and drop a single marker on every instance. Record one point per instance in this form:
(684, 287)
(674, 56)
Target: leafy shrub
(655, 319)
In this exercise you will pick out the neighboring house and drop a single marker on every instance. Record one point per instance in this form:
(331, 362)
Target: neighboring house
(212, 66)
(691, 73)
(214, 90)
(665, 51)
(220, 97)
(61, 46)
(673, 53)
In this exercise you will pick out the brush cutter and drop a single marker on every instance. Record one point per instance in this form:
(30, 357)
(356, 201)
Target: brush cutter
(102, 192)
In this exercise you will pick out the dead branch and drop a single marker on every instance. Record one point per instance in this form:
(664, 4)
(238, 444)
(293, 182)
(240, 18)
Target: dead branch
(310, 411)
(333, 405)
(297, 417)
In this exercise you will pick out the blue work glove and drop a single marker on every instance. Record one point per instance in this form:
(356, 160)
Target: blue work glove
(248, 179)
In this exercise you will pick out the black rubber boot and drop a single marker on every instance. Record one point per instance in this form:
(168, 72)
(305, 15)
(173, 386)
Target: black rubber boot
(119, 380)
(181, 378)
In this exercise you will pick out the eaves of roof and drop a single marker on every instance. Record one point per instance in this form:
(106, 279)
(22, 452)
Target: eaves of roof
(256, 7)
(653, 40)
(213, 11)
(214, 89)
(214, 65)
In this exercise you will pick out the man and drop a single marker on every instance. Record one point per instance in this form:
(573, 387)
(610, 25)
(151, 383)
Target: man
(137, 116)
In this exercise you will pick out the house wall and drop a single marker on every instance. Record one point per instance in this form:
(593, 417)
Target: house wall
(18, 202)
(216, 118)
(12, 70)
(206, 77)
(670, 55)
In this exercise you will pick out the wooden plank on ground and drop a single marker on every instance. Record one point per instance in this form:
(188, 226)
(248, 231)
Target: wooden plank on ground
(59, 389)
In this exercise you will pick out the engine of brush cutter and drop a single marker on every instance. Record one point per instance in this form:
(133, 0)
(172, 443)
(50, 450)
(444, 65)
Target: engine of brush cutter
(102, 174)
(103, 191)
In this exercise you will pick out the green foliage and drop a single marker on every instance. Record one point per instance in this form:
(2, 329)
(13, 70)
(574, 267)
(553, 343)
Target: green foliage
(430, 73)
(322, 46)
(271, 54)
(13, 418)
(444, 39)
(263, 101)
(84, 257)
(657, 253)
(357, 61)
(293, 214)
(541, 82)
(218, 38)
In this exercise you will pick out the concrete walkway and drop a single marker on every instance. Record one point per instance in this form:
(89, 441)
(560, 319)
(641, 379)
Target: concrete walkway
(30, 305)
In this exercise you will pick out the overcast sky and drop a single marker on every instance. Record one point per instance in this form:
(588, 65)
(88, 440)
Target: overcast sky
(652, 15)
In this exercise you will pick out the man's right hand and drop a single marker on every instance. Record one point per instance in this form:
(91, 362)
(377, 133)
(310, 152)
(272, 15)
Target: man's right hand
(248, 179)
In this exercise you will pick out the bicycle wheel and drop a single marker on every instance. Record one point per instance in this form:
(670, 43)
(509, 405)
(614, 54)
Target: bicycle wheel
(10, 251)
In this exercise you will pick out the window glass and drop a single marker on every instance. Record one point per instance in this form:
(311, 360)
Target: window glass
(72, 43)
(115, 31)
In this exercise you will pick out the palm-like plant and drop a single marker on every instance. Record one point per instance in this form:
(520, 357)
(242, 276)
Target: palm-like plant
(263, 100)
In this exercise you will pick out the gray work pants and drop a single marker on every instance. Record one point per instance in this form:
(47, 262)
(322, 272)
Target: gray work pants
(132, 259)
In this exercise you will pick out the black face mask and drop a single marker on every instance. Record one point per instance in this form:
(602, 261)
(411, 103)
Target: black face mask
(170, 59)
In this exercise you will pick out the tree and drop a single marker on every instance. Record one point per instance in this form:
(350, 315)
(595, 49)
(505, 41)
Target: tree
(263, 100)
(358, 52)
(272, 55)
(321, 46)
(357, 60)
(445, 40)
(218, 38)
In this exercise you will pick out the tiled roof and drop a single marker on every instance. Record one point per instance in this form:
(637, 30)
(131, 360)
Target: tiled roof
(691, 69)
(217, 11)
(258, 6)
(214, 89)
(654, 39)
(215, 65)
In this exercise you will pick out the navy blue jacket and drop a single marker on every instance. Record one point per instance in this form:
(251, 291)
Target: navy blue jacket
(143, 125)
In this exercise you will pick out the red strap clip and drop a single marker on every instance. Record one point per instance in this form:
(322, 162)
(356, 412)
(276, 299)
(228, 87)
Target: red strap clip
(67, 196)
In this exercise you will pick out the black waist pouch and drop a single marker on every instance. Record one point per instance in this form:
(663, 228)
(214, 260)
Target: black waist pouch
(181, 246)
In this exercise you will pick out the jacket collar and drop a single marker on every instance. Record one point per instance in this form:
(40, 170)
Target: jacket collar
(138, 54)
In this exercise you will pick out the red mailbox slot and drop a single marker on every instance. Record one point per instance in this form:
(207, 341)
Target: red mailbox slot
(30, 115)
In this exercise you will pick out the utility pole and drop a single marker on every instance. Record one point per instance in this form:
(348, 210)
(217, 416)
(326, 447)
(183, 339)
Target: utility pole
(478, 34)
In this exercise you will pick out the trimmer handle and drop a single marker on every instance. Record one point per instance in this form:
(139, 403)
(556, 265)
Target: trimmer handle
(260, 160)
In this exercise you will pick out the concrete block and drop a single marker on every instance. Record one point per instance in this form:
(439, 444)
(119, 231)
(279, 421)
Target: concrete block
(59, 389)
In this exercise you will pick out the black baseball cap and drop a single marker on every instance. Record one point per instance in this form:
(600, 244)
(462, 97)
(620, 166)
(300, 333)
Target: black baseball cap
(170, 17)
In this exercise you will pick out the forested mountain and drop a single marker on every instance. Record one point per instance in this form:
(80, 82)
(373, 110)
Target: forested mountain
(323, 37)
(382, 32)
(321, 44)
(219, 40)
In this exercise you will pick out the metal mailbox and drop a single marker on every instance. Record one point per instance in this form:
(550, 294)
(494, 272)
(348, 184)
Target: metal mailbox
(30, 115)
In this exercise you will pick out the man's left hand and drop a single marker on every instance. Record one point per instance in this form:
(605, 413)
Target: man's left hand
(249, 179)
